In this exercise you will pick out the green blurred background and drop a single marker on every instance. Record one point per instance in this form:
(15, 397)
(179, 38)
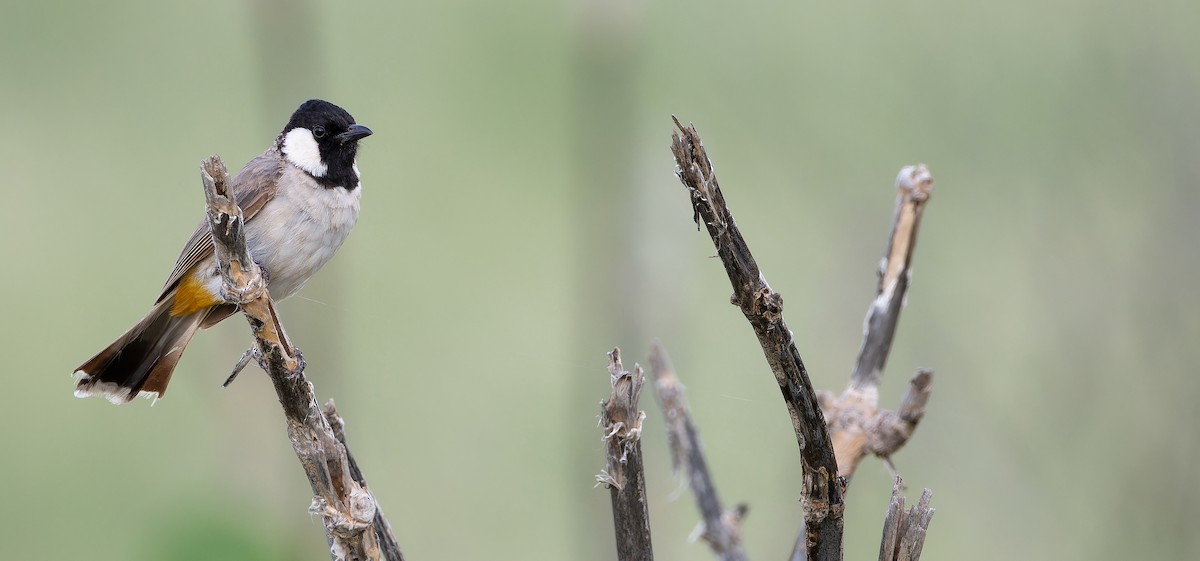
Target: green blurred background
(520, 218)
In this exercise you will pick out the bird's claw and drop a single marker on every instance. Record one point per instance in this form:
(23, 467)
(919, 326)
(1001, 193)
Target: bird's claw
(244, 294)
(253, 289)
(300, 364)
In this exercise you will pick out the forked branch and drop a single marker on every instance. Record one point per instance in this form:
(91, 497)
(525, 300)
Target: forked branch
(856, 424)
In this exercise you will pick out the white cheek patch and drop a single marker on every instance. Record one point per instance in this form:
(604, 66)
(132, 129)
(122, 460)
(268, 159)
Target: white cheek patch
(301, 150)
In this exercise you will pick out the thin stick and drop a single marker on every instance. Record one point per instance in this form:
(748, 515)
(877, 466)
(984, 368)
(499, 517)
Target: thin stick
(763, 308)
(720, 528)
(621, 421)
(346, 508)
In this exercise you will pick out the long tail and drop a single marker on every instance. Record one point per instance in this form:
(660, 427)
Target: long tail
(141, 361)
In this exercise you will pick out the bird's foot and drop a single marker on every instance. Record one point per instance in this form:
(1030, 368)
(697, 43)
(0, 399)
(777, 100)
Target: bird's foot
(239, 295)
(300, 364)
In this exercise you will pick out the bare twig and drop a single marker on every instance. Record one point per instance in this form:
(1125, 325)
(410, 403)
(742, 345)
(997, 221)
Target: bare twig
(856, 424)
(763, 308)
(621, 421)
(720, 528)
(892, 429)
(904, 532)
(389, 549)
(346, 508)
(914, 185)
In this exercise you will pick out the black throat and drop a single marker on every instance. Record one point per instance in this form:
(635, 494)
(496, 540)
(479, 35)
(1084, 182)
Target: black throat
(340, 168)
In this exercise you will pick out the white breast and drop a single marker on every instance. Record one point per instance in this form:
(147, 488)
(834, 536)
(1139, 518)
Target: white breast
(299, 229)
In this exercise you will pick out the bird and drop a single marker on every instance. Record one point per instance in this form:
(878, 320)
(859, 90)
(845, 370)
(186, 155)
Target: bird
(300, 199)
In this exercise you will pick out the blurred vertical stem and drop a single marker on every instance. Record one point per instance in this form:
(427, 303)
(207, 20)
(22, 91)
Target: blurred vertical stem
(291, 66)
(290, 49)
(607, 38)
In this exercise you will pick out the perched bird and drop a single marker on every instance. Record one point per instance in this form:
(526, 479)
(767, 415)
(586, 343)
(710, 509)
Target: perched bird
(300, 200)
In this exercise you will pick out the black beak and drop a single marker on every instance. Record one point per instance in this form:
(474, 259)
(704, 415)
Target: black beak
(354, 133)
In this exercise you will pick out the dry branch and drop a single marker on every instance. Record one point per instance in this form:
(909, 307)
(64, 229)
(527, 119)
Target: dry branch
(346, 508)
(621, 421)
(720, 528)
(763, 308)
(389, 549)
(914, 185)
(904, 532)
(856, 424)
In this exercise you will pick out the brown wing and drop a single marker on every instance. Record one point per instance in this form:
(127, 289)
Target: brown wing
(252, 187)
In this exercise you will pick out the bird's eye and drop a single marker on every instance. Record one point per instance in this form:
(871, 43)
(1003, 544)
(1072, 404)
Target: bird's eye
(318, 131)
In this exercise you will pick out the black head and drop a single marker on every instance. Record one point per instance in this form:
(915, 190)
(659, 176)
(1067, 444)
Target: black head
(322, 139)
